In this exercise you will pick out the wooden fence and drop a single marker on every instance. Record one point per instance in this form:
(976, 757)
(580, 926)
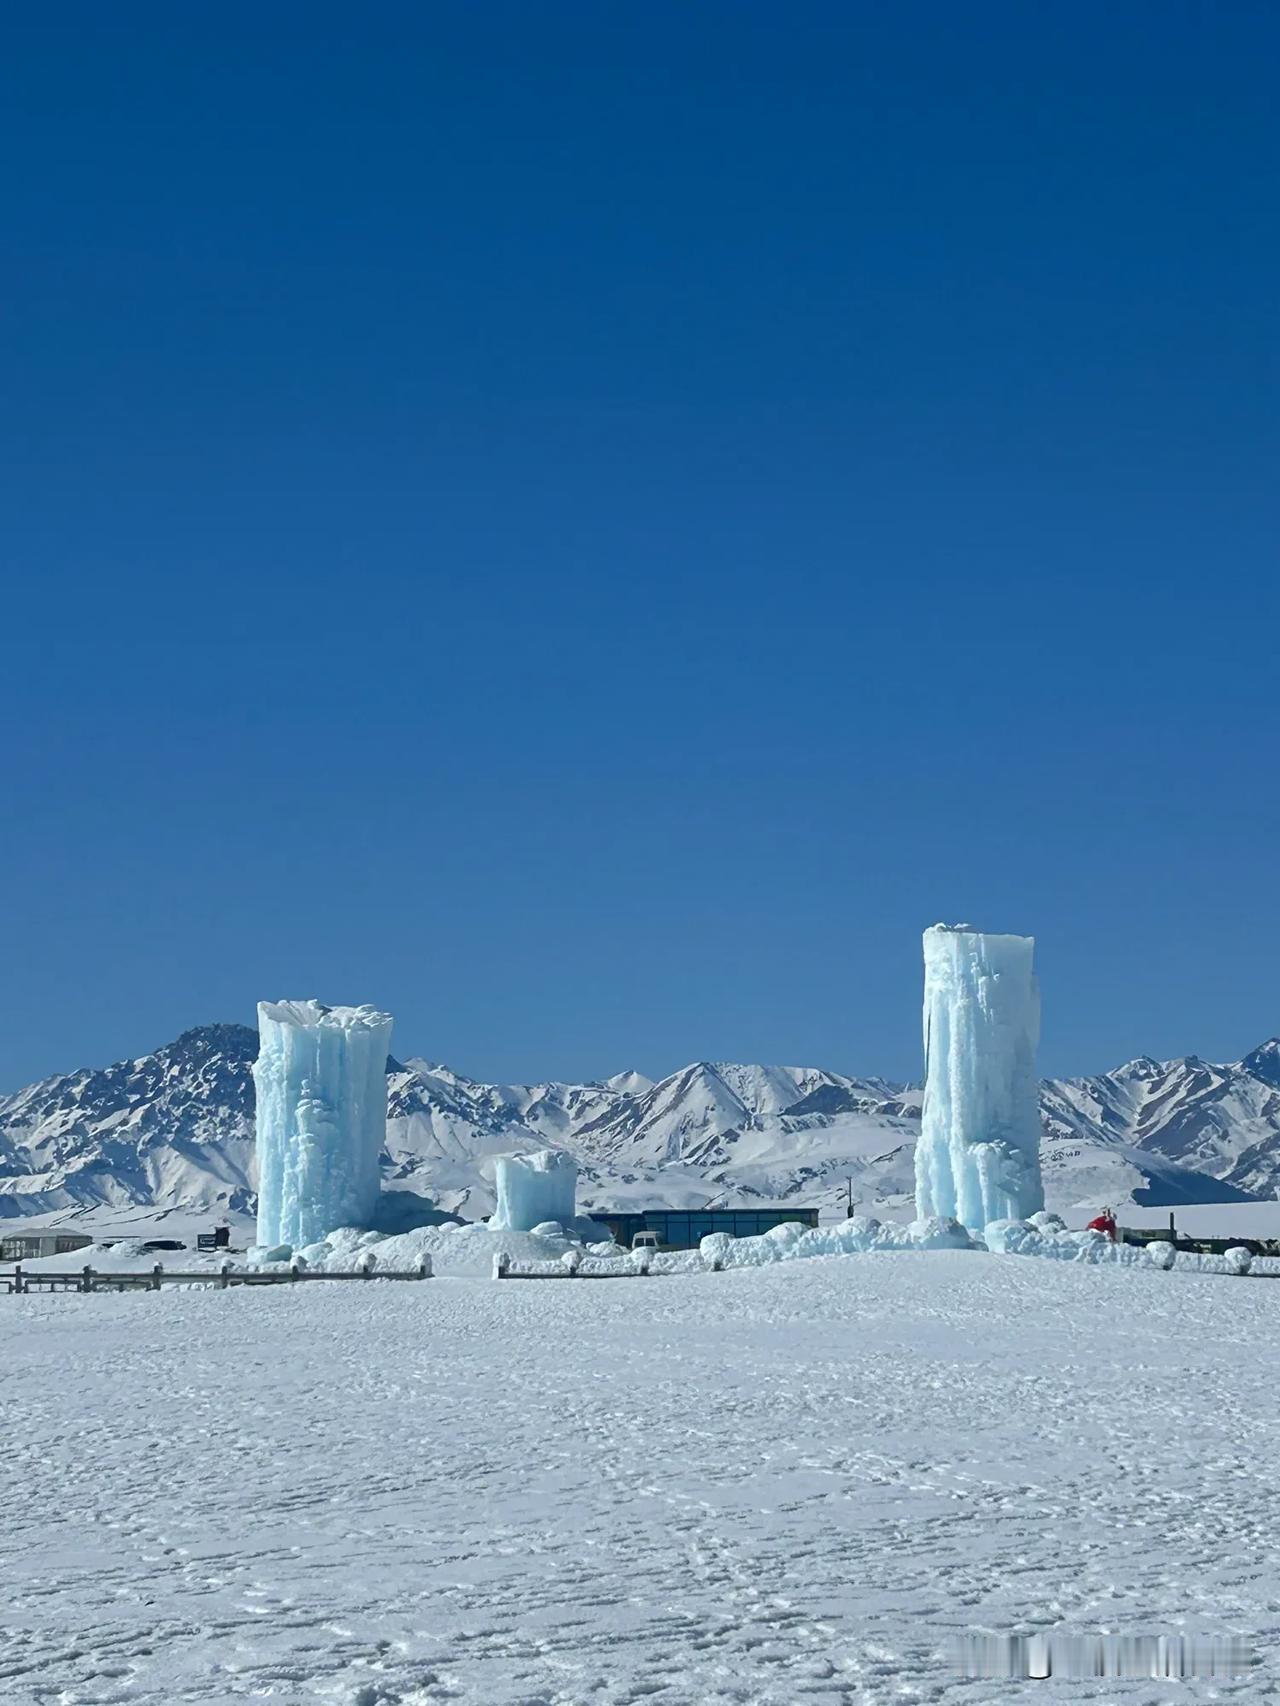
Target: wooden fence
(89, 1279)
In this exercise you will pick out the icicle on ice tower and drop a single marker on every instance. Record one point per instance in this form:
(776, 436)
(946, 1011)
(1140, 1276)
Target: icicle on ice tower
(321, 1077)
(542, 1185)
(978, 1158)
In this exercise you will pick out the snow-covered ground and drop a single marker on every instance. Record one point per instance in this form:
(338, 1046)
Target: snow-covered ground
(773, 1487)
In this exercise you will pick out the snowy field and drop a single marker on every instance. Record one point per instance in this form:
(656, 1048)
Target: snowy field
(783, 1486)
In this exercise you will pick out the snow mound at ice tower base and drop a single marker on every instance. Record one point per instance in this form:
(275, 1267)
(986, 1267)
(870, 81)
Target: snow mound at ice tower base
(468, 1248)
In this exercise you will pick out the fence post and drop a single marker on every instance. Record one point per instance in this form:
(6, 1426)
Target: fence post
(156, 1274)
(366, 1266)
(86, 1283)
(501, 1264)
(17, 1280)
(224, 1276)
(424, 1267)
(572, 1262)
(293, 1272)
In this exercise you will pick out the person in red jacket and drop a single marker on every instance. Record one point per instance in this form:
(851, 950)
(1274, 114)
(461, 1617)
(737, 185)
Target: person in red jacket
(1104, 1222)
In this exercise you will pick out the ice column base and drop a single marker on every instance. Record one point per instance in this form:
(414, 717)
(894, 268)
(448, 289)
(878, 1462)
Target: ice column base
(532, 1188)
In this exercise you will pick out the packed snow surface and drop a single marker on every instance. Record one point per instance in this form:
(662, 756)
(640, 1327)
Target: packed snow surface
(321, 1117)
(764, 1488)
(533, 1188)
(978, 1158)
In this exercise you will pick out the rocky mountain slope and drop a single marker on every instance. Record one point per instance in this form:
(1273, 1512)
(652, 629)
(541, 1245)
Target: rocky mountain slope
(174, 1129)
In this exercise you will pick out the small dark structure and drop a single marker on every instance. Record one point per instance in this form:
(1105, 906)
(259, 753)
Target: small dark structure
(1195, 1245)
(684, 1229)
(31, 1246)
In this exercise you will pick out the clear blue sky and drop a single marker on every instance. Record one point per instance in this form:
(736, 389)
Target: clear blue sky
(590, 525)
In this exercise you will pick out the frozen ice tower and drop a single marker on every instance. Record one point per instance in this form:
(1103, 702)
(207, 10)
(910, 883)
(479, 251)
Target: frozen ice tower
(321, 1077)
(542, 1185)
(978, 1158)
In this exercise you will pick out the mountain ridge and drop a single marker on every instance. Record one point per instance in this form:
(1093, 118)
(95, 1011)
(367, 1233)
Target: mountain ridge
(174, 1128)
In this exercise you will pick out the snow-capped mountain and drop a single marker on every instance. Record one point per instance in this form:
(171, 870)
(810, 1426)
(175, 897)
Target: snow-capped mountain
(1219, 1120)
(174, 1126)
(174, 1130)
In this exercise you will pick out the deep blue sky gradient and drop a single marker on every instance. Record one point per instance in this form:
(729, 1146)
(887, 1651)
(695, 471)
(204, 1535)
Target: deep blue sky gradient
(590, 525)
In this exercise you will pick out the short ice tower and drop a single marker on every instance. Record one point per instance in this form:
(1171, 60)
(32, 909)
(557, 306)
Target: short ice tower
(542, 1185)
(978, 1158)
(321, 1078)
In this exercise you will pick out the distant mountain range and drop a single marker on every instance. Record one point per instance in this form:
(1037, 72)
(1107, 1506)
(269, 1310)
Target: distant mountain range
(174, 1130)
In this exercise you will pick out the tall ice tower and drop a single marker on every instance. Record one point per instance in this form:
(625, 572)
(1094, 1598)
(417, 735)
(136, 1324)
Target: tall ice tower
(321, 1078)
(978, 1158)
